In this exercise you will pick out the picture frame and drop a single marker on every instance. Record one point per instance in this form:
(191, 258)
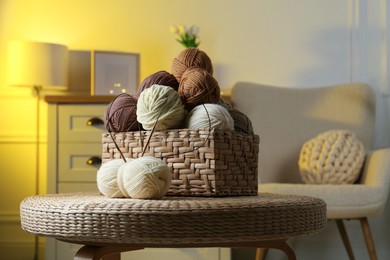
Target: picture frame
(114, 73)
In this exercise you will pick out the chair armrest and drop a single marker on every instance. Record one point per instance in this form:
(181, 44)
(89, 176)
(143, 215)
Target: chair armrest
(376, 171)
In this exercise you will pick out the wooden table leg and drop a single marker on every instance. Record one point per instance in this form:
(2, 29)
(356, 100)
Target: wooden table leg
(261, 253)
(286, 248)
(102, 252)
(280, 245)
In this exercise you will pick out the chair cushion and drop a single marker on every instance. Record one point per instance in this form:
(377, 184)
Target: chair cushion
(343, 200)
(332, 157)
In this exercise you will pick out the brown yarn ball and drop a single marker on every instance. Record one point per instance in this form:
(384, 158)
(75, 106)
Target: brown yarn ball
(188, 58)
(159, 78)
(197, 86)
(121, 114)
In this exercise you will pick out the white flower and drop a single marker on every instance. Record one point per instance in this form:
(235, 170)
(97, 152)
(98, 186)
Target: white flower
(188, 37)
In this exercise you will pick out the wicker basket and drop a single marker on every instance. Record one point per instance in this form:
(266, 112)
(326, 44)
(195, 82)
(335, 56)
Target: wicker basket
(204, 162)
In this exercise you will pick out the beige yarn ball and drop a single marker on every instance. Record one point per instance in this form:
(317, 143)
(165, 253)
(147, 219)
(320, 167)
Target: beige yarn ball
(333, 157)
(106, 178)
(209, 115)
(144, 178)
(160, 103)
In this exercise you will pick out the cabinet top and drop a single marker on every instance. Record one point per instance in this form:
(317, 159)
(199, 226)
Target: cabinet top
(78, 99)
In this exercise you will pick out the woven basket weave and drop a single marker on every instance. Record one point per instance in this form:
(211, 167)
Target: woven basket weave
(203, 162)
(171, 221)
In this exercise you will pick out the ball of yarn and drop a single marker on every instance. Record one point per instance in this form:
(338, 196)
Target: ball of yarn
(107, 178)
(160, 103)
(159, 78)
(332, 157)
(197, 86)
(214, 115)
(121, 114)
(242, 123)
(144, 178)
(188, 58)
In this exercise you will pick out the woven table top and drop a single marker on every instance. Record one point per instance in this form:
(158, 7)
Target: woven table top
(91, 218)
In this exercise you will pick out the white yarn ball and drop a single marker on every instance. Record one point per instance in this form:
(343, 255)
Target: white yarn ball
(144, 178)
(160, 103)
(107, 178)
(219, 117)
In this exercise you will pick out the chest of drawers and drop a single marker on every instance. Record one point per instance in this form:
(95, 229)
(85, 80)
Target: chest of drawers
(75, 127)
(74, 145)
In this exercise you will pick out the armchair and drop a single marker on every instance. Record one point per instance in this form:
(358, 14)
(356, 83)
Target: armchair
(285, 118)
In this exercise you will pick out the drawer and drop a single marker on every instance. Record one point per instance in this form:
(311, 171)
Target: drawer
(72, 161)
(64, 187)
(81, 123)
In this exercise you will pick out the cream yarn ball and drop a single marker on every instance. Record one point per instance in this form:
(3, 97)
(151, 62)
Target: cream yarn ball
(107, 178)
(160, 103)
(333, 157)
(144, 178)
(219, 117)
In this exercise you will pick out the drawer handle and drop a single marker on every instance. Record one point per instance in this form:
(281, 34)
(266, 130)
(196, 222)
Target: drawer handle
(94, 160)
(95, 121)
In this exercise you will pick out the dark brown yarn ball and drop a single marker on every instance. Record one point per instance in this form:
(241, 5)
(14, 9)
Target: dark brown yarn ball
(121, 114)
(188, 58)
(159, 78)
(242, 123)
(197, 86)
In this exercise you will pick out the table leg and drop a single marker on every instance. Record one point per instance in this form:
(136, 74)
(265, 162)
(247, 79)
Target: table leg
(280, 245)
(286, 248)
(261, 253)
(102, 252)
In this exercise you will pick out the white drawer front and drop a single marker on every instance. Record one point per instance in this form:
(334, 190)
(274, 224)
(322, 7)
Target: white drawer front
(80, 123)
(72, 162)
(76, 187)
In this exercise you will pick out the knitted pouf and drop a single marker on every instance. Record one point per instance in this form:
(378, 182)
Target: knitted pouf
(333, 157)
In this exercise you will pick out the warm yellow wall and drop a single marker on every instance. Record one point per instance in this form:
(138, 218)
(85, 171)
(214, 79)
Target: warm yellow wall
(247, 40)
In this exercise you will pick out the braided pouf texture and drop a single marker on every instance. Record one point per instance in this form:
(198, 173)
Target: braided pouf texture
(332, 157)
(91, 218)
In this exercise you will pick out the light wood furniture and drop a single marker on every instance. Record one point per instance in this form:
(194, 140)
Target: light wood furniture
(107, 226)
(75, 127)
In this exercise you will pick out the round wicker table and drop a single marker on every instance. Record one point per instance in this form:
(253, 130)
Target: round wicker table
(107, 226)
